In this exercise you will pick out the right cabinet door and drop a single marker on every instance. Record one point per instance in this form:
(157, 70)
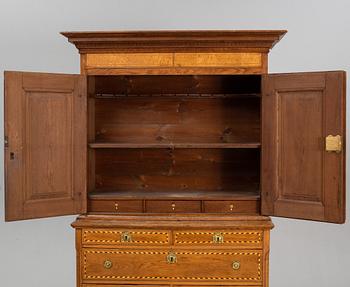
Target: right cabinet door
(303, 146)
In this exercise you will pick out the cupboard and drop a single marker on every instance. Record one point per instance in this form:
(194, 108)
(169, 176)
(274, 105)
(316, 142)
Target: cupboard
(175, 147)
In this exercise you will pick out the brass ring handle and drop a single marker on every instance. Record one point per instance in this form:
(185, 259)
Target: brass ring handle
(218, 237)
(236, 265)
(171, 258)
(125, 237)
(107, 264)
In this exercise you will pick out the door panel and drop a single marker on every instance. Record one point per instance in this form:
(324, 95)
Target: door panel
(45, 158)
(300, 179)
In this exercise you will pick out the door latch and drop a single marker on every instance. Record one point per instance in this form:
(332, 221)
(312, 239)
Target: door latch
(333, 143)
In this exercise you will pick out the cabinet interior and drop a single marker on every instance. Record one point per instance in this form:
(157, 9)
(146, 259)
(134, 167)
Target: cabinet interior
(188, 138)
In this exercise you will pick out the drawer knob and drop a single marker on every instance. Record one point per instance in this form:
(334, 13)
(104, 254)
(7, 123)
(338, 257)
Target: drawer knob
(236, 265)
(171, 258)
(218, 237)
(107, 264)
(231, 207)
(116, 205)
(173, 205)
(125, 237)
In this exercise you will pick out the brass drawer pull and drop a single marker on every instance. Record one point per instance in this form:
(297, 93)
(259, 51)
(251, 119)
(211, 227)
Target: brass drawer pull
(236, 265)
(231, 207)
(125, 237)
(218, 237)
(171, 258)
(107, 264)
(116, 205)
(173, 205)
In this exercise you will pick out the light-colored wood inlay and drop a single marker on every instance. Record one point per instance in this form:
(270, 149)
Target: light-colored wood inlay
(217, 59)
(157, 268)
(202, 237)
(101, 236)
(129, 60)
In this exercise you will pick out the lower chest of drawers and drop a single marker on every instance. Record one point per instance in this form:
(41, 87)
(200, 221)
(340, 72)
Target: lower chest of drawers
(172, 257)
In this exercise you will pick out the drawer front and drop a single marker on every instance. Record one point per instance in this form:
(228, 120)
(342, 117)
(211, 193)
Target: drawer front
(232, 207)
(176, 265)
(124, 237)
(236, 239)
(176, 206)
(116, 206)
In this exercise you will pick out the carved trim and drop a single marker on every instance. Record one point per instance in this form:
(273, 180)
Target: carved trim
(156, 41)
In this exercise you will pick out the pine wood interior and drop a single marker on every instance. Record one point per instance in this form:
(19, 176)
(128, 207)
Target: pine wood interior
(157, 141)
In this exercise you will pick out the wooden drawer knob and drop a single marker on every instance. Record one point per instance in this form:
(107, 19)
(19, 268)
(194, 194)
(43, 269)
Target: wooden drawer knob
(236, 265)
(107, 264)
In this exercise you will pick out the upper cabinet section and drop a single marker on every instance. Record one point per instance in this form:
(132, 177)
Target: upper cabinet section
(174, 52)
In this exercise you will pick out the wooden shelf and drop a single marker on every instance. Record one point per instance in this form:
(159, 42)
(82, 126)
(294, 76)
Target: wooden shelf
(190, 96)
(97, 145)
(176, 195)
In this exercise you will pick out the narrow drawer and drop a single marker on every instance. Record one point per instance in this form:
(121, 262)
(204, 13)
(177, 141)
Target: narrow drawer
(235, 239)
(232, 206)
(176, 206)
(116, 206)
(111, 265)
(124, 237)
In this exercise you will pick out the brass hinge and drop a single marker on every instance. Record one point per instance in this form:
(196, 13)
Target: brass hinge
(333, 143)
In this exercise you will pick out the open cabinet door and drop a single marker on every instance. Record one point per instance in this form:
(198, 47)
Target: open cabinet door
(303, 146)
(45, 145)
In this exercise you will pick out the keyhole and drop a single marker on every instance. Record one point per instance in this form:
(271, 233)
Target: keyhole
(12, 155)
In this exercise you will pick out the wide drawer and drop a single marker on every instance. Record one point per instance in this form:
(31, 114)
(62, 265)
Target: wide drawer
(176, 265)
(125, 237)
(236, 239)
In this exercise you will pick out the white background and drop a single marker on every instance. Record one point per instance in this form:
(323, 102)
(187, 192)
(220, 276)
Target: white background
(38, 253)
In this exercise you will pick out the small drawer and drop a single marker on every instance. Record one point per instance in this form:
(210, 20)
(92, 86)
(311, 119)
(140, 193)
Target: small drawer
(95, 236)
(116, 206)
(232, 206)
(236, 239)
(162, 265)
(175, 206)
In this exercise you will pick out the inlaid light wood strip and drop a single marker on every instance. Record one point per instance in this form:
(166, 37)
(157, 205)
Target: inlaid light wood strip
(217, 59)
(129, 60)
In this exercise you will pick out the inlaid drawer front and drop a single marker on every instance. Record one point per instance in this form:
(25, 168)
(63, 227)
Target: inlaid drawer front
(175, 265)
(125, 237)
(235, 238)
(176, 206)
(232, 206)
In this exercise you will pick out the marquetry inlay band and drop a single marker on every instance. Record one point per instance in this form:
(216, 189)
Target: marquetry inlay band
(257, 238)
(89, 276)
(157, 237)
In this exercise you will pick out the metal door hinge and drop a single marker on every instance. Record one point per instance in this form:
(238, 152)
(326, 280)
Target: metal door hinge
(333, 143)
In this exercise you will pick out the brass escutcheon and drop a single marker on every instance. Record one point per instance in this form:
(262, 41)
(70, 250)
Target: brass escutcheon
(107, 264)
(125, 237)
(218, 237)
(171, 258)
(236, 265)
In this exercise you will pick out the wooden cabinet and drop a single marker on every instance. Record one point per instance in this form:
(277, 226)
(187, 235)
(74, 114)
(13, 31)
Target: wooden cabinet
(175, 144)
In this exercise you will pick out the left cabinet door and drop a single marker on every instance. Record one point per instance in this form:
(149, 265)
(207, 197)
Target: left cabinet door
(45, 145)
